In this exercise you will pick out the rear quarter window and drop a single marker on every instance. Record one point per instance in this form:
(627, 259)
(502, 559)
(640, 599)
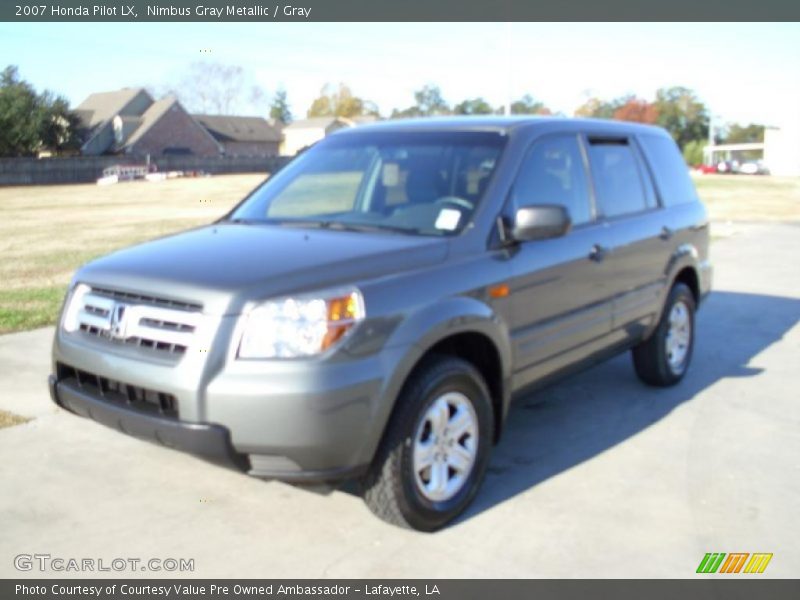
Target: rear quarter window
(669, 170)
(618, 183)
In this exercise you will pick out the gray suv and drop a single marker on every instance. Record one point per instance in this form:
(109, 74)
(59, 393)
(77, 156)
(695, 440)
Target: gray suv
(369, 311)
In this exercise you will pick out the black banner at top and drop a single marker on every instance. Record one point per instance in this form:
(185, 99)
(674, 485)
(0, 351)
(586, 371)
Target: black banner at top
(396, 10)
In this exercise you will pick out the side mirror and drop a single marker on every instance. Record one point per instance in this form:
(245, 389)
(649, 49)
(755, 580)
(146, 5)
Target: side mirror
(540, 223)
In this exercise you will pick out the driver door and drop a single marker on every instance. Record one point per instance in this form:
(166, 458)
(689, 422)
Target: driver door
(561, 301)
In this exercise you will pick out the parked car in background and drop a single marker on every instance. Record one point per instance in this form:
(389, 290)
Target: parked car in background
(705, 169)
(753, 167)
(728, 166)
(370, 311)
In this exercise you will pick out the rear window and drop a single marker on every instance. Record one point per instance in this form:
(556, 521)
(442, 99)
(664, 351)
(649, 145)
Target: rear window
(617, 179)
(669, 170)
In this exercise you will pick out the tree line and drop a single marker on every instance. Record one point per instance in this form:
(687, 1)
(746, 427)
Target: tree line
(31, 122)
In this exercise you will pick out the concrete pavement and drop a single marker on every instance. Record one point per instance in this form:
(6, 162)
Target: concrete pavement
(598, 476)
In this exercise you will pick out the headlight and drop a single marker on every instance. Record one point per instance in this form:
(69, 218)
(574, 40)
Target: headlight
(300, 325)
(74, 305)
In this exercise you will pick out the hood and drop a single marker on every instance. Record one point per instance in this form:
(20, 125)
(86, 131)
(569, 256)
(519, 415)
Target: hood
(222, 266)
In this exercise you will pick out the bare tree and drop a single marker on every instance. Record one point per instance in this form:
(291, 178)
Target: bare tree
(209, 87)
(214, 86)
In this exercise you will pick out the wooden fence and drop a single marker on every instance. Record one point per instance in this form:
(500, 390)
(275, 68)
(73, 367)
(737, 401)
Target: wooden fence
(86, 169)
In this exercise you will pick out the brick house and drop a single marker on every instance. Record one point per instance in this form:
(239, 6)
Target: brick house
(129, 121)
(243, 136)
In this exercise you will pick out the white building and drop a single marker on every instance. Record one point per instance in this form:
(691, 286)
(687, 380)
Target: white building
(782, 150)
(298, 135)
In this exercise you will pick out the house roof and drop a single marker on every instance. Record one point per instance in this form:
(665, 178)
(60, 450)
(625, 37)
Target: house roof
(84, 116)
(225, 128)
(317, 123)
(102, 106)
(151, 117)
(129, 126)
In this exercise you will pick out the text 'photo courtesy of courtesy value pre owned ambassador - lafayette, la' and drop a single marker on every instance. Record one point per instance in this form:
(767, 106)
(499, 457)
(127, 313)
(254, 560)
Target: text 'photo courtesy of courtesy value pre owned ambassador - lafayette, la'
(369, 312)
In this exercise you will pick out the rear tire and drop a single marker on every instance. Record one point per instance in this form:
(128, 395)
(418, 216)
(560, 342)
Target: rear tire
(436, 448)
(663, 359)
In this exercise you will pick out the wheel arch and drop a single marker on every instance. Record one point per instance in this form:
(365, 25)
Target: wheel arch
(462, 327)
(683, 268)
(480, 351)
(688, 276)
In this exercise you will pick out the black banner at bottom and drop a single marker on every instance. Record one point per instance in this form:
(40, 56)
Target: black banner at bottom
(732, 588)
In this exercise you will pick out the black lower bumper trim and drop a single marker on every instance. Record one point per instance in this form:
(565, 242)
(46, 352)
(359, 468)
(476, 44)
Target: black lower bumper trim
(210, 442)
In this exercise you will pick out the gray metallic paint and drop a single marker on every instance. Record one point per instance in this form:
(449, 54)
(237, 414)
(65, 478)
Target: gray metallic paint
(328, 413)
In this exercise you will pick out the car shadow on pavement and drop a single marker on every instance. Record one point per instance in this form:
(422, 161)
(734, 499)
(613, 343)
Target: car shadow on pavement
(557, 428)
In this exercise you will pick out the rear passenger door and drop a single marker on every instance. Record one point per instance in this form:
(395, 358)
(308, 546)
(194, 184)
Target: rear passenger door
(560, 298)
(627, 204)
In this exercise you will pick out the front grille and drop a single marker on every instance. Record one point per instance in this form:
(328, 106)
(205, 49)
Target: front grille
(138, 320)
(142, 342)
(131, 298)
(116, 392)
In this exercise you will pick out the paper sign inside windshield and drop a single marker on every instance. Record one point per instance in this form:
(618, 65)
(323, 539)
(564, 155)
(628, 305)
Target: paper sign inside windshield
(448, 219)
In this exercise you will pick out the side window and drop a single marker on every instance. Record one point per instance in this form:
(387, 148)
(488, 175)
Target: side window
(553, 173)
(617, 178)
(669, 170)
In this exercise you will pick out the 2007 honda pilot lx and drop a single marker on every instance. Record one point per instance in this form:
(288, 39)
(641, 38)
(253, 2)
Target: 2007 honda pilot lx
(368, 312)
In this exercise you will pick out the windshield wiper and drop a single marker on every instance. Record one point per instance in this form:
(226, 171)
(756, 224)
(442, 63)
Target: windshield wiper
(348, 226)
(377, 227)
(241, 221)
(298, 222)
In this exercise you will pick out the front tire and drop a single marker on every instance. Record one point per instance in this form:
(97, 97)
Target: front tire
(663, 359)
(436, 448)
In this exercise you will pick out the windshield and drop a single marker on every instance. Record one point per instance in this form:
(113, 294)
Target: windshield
(421, 183)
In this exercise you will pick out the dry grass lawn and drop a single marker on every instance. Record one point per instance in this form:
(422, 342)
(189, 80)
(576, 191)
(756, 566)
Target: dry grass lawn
(8, 419)
(46, 232)
(750, 198)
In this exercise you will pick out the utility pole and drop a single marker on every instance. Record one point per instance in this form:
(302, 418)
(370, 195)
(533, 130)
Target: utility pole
(710, 158)
(711, 130)
(508, 69)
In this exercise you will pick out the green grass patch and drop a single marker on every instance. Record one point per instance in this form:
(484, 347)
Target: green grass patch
(29, 308)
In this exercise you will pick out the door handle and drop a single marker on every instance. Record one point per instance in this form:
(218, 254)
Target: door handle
(666, 233)
(598, 253)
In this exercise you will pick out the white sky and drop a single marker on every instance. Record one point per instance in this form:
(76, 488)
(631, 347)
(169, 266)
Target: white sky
(744, 72)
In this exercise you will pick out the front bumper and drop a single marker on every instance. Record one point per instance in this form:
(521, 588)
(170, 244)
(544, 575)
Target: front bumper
(205, 440)
(298, 421)
(211, 442)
